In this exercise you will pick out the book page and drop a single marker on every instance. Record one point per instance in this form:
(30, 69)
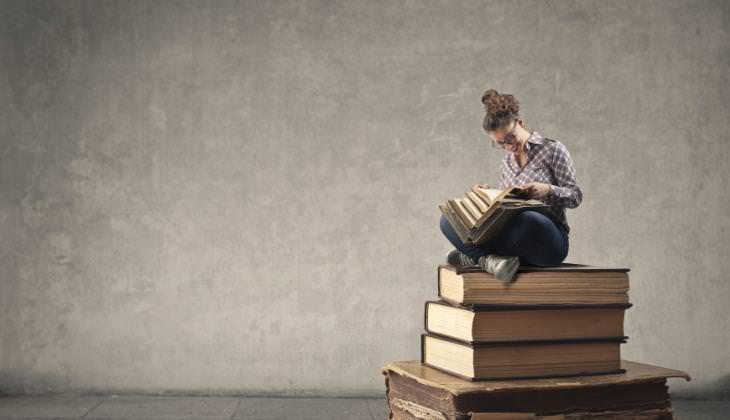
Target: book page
(491, 193)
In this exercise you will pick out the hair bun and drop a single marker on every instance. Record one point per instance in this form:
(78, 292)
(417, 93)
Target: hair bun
(500, 108)
(490, 97)
(494, 103)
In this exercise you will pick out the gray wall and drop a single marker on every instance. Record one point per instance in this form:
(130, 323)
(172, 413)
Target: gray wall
(242, 196)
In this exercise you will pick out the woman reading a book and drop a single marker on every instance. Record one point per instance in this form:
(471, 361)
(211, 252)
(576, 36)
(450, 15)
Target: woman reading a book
(541, 166)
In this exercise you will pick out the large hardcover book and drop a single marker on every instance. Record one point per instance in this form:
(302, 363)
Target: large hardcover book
(638, 414)
(483, 212)
(522, 359)
(417, 391)
(518, 322)
(565, 284)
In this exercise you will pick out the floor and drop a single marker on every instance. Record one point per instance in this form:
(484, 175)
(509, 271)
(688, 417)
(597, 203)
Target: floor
(207, 408)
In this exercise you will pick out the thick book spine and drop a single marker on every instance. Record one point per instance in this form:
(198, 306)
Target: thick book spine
(511, 343)
(487, 307)
(564, 267)
(566, 375)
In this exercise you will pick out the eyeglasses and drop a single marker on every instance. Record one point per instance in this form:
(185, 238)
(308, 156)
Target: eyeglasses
(507, 139)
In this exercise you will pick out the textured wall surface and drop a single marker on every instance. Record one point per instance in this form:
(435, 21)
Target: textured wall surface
(242, 196)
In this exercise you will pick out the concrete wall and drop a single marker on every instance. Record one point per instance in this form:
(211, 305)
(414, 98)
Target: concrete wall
(242, 196)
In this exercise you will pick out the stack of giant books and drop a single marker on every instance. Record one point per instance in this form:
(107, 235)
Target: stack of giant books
(557, 321)
(547, 344)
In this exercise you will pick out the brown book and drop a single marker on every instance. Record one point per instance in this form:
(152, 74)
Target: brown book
(665, 413)
(417, 391)
(510, 322)
(482, 213)
(565, 284)
(524, 359)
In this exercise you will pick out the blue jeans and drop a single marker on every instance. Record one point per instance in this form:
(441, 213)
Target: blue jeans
(531, 235)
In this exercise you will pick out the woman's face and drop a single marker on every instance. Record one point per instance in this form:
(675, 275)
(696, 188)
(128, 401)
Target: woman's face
(505, 138)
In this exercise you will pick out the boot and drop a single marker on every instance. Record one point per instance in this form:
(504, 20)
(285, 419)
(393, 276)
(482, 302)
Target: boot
(460, 260)
(502, 267)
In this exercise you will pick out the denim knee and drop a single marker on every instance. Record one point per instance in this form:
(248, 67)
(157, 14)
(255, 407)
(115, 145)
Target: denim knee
(530, 218)
(445, 226)
(450, 233)
(550, 260)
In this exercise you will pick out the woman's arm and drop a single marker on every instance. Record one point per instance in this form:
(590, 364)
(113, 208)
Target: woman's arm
(566, 193)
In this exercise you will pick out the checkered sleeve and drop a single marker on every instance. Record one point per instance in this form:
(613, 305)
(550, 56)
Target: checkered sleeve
(566, 193)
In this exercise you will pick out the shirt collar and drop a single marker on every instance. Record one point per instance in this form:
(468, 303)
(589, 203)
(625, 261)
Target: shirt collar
(535, 138)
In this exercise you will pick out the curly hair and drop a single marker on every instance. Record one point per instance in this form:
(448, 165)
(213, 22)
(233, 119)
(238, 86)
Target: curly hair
(501, 109)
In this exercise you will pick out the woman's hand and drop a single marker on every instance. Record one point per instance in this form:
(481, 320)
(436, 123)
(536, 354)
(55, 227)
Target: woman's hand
(537, 190)
(485, 186)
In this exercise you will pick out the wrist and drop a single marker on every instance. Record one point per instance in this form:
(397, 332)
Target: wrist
(552, 192)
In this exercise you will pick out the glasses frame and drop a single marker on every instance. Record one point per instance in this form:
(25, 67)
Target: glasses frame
(508, 138)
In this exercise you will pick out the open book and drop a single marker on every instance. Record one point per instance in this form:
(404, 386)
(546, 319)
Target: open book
(483, 212)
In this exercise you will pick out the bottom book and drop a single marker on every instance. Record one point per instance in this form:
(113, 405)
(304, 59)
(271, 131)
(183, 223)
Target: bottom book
(417, 391)
(649, 414)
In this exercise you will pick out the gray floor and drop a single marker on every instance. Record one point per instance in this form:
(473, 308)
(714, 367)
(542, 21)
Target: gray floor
(145, 407)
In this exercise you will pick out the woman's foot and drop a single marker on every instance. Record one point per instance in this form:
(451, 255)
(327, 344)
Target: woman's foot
(459, 260)
(502, 267)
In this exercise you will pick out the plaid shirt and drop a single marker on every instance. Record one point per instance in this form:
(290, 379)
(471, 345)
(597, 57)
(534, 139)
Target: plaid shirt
(548, 162)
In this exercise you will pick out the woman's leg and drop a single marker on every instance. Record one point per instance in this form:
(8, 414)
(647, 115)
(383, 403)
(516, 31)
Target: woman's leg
(474, 251)
(535, 238)
(531, 235)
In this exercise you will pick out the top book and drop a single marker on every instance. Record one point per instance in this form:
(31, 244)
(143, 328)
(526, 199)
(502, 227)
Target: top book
(566, 284)
(483, 212)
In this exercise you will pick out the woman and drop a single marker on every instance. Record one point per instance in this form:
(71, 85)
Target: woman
(542, 166)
